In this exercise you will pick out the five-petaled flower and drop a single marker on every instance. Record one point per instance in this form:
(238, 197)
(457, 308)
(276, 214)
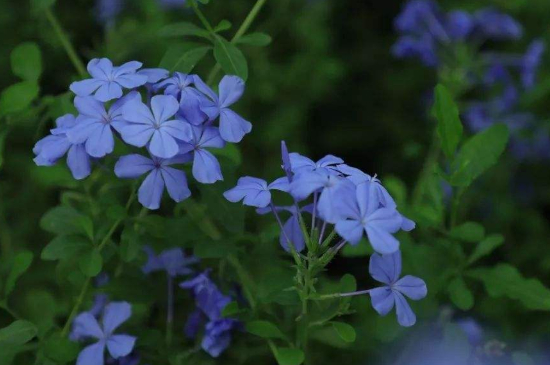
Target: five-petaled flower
(160, 175)
(252, 191)
(118, 345)
(107, 81)
(173, 261)
(387, 269)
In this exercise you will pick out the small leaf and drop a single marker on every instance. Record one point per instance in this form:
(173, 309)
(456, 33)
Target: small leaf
(62, 247)
(183, 29)
(469, 232)
(264, 329)
(18, 97)
(183, 59)
(348, 283)
(460, 294)
(223, 25)
(344, 331)
(26, 61)
(66, 220)
(130, 245)
(60, 349)
(90, 263)
(478, 154)
(255, 39)
(18, 333)
(289, 356)
(485, 247)
(231, 309)
(449, 127)
(21, 264)
(506, 280)
(230, 58)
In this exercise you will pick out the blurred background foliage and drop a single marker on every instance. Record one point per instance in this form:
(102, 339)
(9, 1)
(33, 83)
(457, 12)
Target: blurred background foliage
(326, 84)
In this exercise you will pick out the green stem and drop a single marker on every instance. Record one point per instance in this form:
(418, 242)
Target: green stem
(86, 285)
(246, 280)
(77, 63)
(240, 32)
(427, 169)
(454, 206)
(202, 18)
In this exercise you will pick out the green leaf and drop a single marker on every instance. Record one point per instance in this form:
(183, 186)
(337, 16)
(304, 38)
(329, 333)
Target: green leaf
(60, 349)
(289, 356)
(26, 61)
(18, 97)
(18, 333)
(223, 25)
(231, 309)
(90, 263)
(264, 329)
(505, 280)
(460, 294)
(183, 59)
(130, 245)
(361, 249)
(255, 39)
(485, 247)
(449, 127)
(21, 264)
(348, 283)
(344, 331)
(182, 29)
(62, 247)
(227, 214)
(468, 231)
(478, 154)
(231, 151)
(66, 220)
(230, 58)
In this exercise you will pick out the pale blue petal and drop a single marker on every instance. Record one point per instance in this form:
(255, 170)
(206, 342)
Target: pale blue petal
(164, 107)
(176, 183)
(154, 74)
(411, 286)
(100, 68)
(385, 268)
(163, 144)
(210, 137)
(108, 91)
(329, 160)
(231, 89)
(382, 241)
(92, 355)
(232, 126)
(301, 163)
(79, 162)
(150, 191)
(120, 345)
(294, 234)
(306, 183)
(407, 225)
(350, 230)
(178, 129)
(131, 81)
(281, 184)
(206, 168)
(82, 130)
(114, 315)
(86, 87)
(137, 134)
(382, 300)
(253, 191)
(127, 68)
(405, 315)
(90, 107)
(136, 112)
(385, 219)
(86, 325)
(205, 89)
(101, 141)
(133, 166)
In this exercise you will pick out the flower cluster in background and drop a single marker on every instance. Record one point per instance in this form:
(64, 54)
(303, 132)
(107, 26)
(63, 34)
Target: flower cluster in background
(348, 202)
(458, 42)
(175, 120)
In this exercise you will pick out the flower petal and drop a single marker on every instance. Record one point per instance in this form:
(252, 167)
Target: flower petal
(294, 233)
(136, 112)
(92, 355)
(405, 315)
(114, 315)
(79, 162)
(136, 134)
(232, 126)
(385, 268)
(133, 166)
(176, 183)
(100, 68)
(231, 90)
(164, 107)
(150, 191)
(90, 107)
(108, 91)
(206, 168)
(85, 324)
(382, 241)
(382, 300)
(178, 129)
(411, 286)
(101, 141)
(350, 230)
(120, 345)
(163, 144)
(86, 87)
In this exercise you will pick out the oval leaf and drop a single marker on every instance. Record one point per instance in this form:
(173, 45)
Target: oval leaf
(289, 356)
(230, 58)
(90, 263)
(21, 264)
(264, 329)
(18, 97)
(460, 294)
(26, 61)
(18, 333)
(344, 331)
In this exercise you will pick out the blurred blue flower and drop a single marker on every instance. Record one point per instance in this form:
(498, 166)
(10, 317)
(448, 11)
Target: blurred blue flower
(107, 81)
(326, 165)
(118, 345)
(210, 303)
(94, 125)
(232, 126)
(206, 168)
(531, 62)
(492, 24)
(154, 126)
(387, 270)
(107, 10)
(168, 4)
(160, 176)
(173, 261)
(51, 148)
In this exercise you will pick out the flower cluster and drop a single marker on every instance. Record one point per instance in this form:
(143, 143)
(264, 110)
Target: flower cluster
(353, 203)
(176, 124)
(456, 41)
(210, 303)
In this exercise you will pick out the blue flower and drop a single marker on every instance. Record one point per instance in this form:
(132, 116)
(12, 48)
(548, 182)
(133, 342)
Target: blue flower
(421, 16)
(108, 10)
(531, 62)
(232, 126)
(210, 304)
(154, 75)
(459, 24)
(326, 165)
(287, 165)
(118, 345)
(206, 168)
(51, 148)
(173, 261)
(492, 24)
(160, 175)
(94, 125)
(154, 126)
(107, 81)
(252, 191)
(179, 86)
(387, 269)
(422, 47)
(363, 212)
